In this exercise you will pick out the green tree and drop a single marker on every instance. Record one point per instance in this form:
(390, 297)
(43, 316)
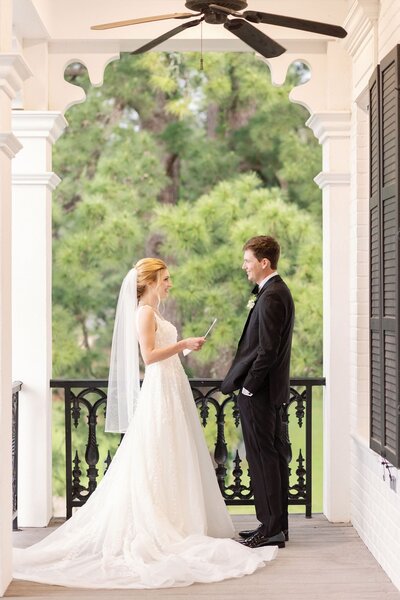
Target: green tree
(206, 239)
(160, 133)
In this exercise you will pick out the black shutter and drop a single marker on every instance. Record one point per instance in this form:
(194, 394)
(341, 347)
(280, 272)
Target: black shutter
(375, 258)
(384, 258)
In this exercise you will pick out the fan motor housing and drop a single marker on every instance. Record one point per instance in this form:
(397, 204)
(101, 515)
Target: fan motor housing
(202, 5)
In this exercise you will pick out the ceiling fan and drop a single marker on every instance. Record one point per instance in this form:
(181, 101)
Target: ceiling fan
(220, 12)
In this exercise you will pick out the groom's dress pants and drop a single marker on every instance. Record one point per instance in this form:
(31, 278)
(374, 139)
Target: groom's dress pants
(266, 452)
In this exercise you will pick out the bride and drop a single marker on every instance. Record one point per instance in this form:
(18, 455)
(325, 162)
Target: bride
(157, 519)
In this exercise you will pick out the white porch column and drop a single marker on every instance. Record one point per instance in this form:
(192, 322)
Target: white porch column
(33, 183)
(333, 131)
(13, 72)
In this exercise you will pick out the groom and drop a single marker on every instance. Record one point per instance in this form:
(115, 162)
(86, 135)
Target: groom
(260, 370)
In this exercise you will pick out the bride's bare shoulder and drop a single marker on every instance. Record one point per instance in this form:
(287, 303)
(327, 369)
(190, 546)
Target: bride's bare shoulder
(145, 308)
(146, 316)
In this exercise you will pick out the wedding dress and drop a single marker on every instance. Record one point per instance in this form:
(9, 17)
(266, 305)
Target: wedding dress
(157, 519)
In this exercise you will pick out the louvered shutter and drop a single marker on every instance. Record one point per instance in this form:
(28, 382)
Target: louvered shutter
(384, 258)
(375, 259)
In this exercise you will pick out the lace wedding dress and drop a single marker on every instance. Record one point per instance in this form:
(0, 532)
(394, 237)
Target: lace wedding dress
(157, 519)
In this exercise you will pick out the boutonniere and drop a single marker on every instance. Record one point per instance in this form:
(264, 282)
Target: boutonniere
(251, 302)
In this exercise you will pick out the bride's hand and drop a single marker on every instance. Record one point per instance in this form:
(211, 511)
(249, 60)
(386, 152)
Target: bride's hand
(194, 343)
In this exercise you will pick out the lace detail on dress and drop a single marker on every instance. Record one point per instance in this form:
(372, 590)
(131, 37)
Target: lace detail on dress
(165, 335)
(166, 332)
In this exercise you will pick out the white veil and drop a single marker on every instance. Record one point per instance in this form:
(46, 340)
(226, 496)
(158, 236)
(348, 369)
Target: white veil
(124, 377)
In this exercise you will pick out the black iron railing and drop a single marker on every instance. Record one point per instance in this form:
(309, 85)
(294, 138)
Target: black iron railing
(87, 447)
(16, 388)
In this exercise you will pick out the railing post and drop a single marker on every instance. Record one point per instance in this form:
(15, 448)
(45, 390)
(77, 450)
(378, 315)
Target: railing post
(309, 407)
(16, 387)
(68, 449)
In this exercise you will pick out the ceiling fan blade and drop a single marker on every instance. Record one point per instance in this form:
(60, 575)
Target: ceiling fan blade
(254, 38)
(294, 23)
(144, 20)
(166, 36)
(224, 10)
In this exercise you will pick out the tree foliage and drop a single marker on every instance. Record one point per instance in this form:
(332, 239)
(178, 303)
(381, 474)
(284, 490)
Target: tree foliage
(206, 239)
(168, 160)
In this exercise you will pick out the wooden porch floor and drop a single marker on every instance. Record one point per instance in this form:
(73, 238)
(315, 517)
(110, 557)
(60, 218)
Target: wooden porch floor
(321, 561)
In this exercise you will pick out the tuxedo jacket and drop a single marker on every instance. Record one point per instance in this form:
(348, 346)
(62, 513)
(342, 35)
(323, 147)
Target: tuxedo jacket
(262, 360)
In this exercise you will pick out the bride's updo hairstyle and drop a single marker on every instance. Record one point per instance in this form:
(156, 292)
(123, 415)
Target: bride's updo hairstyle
(148, 271)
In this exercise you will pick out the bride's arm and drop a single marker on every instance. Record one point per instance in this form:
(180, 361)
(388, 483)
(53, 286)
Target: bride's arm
(147, 338)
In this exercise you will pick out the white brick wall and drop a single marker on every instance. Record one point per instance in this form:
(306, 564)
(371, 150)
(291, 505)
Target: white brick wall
(375, 507)
(359, 260)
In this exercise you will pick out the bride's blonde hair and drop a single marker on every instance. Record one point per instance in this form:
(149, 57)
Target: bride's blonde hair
(148, 271)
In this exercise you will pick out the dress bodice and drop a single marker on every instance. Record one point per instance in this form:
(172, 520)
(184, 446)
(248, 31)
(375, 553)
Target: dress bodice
(166, 332)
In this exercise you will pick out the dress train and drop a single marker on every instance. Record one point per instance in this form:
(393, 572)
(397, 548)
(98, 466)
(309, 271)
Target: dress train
(157, 519)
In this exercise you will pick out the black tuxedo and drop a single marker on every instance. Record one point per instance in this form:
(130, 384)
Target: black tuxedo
(262, 366)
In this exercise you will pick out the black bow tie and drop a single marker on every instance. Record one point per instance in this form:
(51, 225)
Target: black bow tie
(255, 290)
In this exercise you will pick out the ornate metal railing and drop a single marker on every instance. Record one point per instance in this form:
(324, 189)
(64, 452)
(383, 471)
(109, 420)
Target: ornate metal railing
(87, 446)
(16, 388)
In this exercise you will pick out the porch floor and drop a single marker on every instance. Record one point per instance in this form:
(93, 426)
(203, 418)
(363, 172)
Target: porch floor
(321, 561)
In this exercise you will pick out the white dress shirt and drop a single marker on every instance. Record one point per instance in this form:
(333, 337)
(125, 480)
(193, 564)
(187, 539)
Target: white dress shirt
(264, 281)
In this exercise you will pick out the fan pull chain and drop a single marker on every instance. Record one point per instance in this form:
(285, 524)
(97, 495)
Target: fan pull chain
(201, 47)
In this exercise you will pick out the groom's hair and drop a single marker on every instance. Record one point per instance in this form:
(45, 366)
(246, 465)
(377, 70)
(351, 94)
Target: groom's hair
(264, 246)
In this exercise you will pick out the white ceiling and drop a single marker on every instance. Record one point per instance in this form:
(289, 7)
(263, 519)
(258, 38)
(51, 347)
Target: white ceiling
(66, 22)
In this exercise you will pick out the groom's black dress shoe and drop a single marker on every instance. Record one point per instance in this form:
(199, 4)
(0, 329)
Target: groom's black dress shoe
(257, 540)
(249, 532)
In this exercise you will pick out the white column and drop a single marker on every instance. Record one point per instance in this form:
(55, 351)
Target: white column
(13, 71)
(33, 182)
(333, 131)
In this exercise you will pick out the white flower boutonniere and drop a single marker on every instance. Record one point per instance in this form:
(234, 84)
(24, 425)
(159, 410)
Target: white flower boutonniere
(251, 302)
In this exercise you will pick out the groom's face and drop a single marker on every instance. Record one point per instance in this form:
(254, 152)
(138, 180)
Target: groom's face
(254, 268)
